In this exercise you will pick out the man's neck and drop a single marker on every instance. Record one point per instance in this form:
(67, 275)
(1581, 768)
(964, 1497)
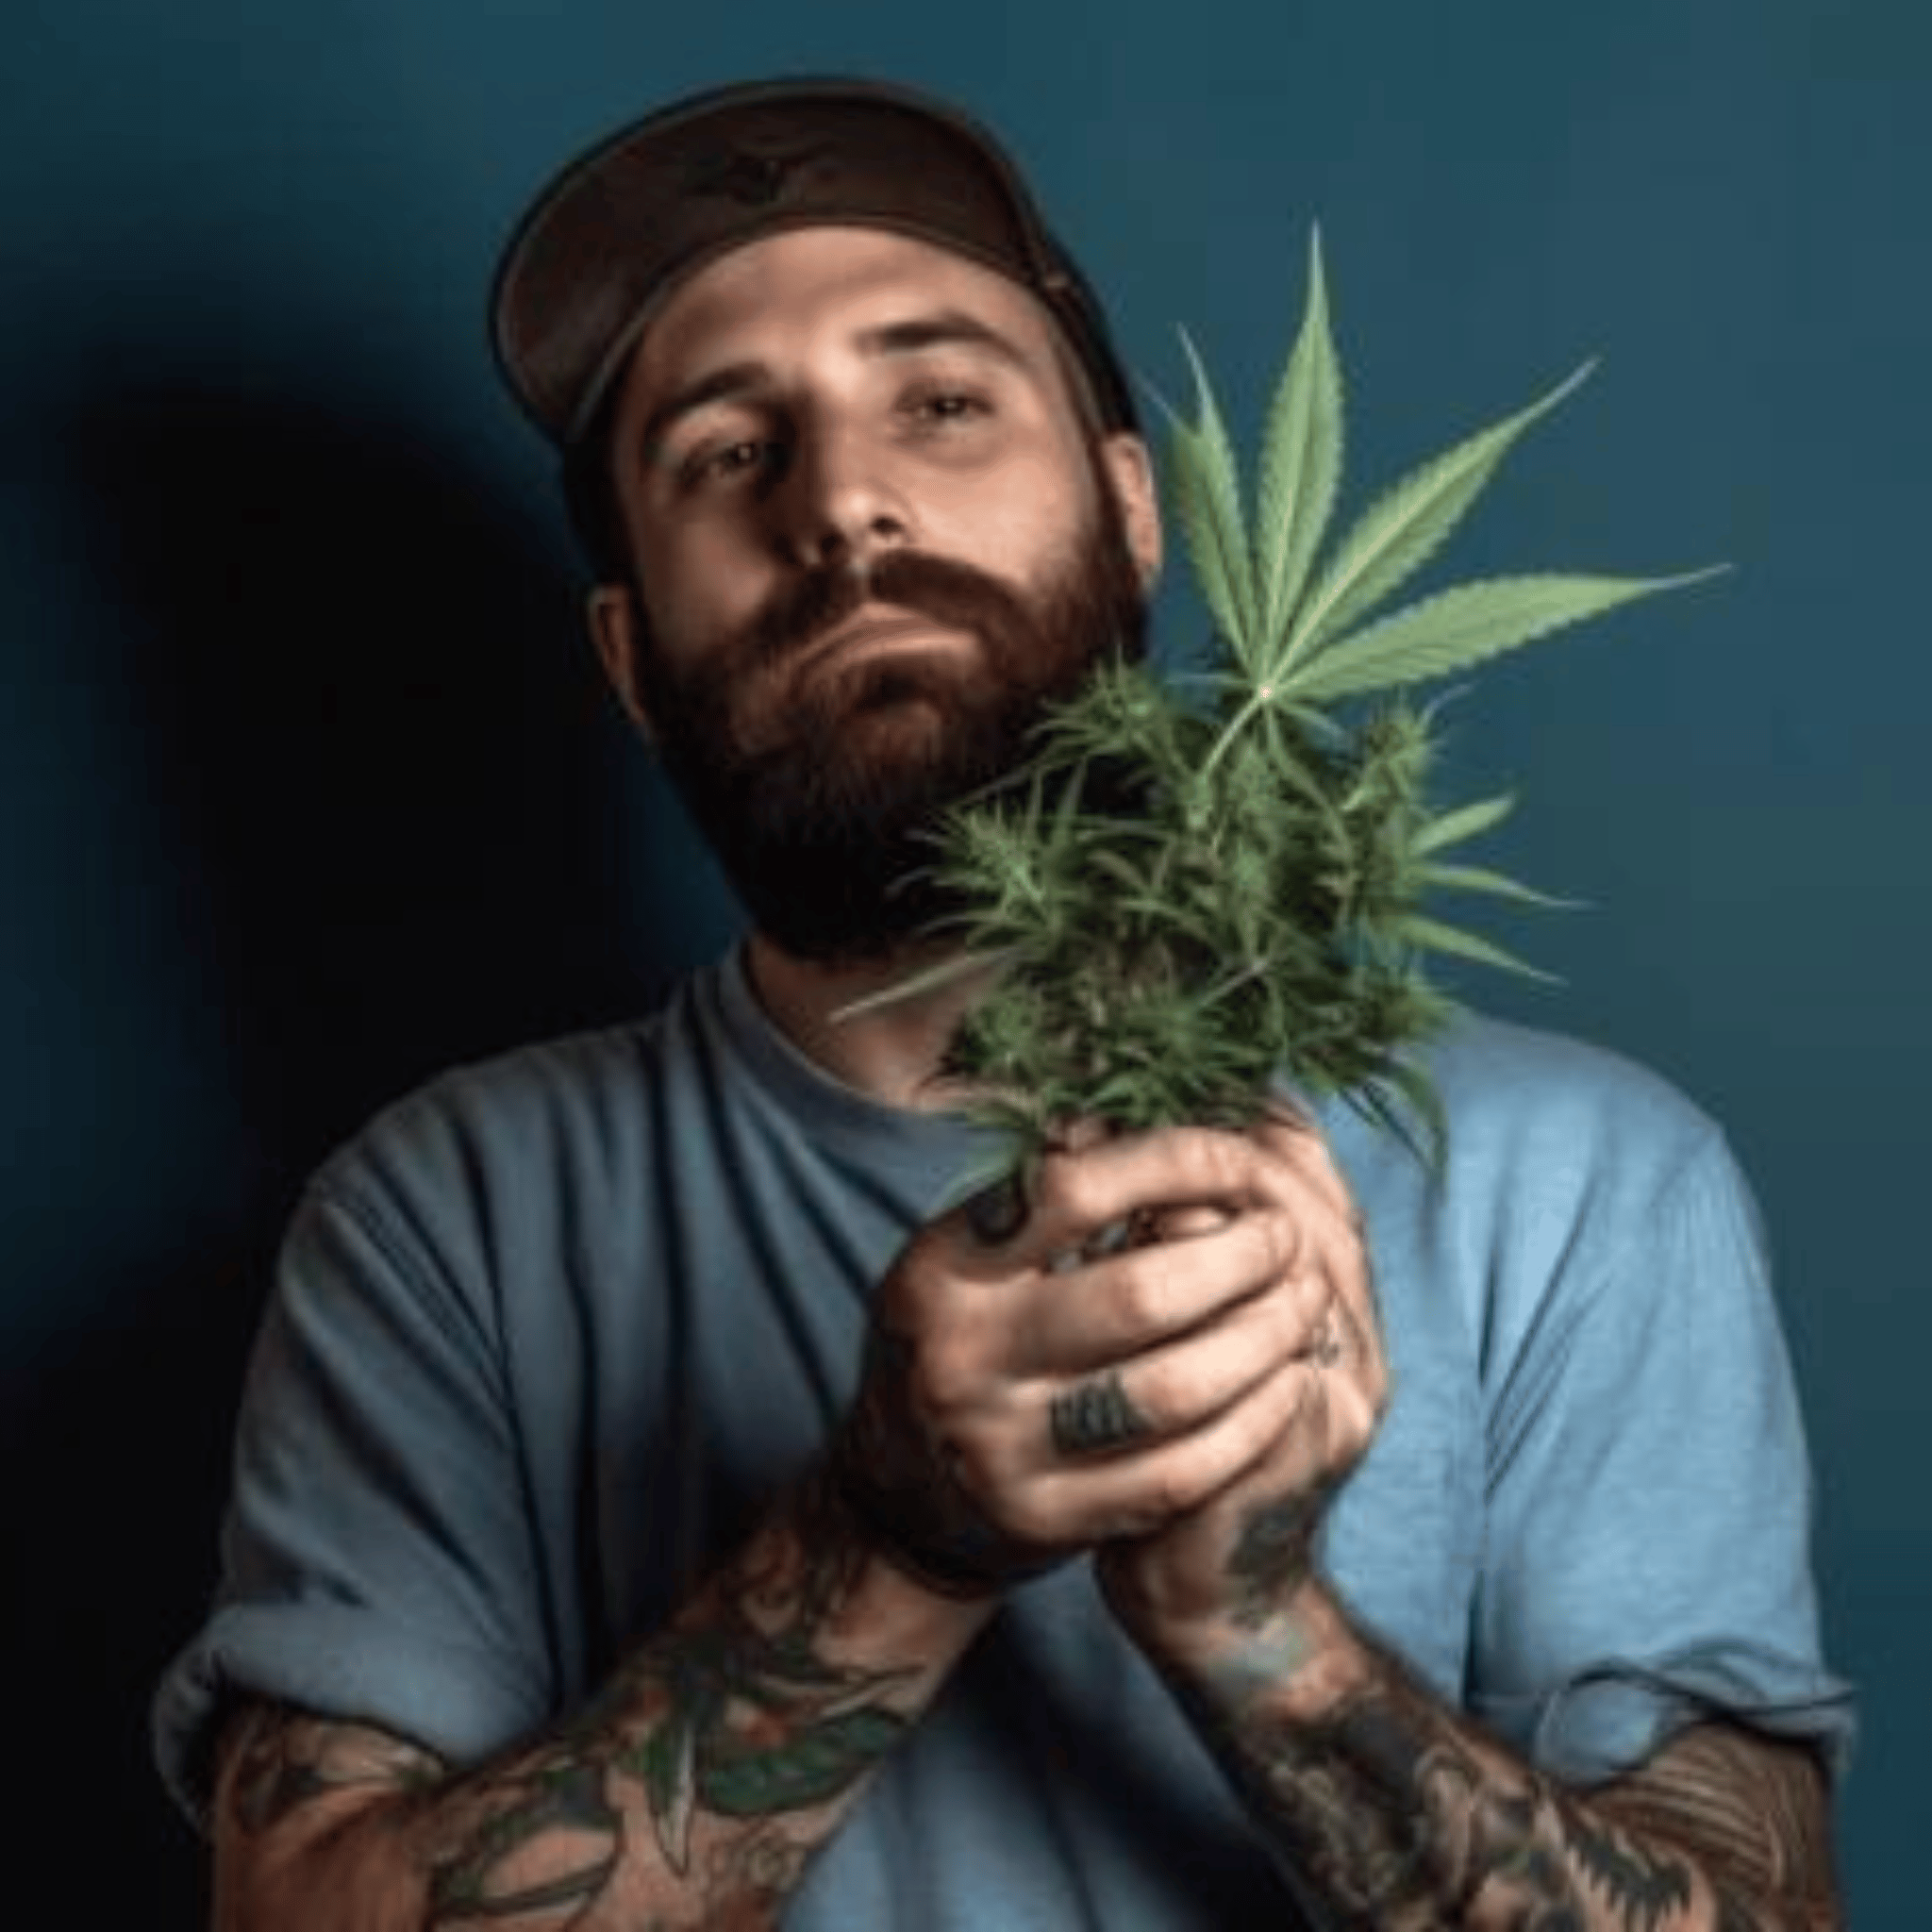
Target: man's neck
(889, 1052)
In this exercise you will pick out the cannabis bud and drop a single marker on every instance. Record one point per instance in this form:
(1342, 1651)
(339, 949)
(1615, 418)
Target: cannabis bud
(1243, 903)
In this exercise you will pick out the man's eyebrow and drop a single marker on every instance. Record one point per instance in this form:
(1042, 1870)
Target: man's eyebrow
(941, 328)
(719, 385)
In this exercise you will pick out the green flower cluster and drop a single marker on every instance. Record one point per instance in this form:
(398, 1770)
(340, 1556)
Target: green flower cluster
(1243, 916)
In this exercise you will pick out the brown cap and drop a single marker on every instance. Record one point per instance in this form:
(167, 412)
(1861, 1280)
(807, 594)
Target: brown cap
(616, 231)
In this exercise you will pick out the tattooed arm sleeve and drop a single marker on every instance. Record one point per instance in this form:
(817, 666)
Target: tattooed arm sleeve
(692, 1790)
(1390, 1810)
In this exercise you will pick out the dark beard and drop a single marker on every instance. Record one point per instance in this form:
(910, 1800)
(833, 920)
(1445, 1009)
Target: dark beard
(819, 796)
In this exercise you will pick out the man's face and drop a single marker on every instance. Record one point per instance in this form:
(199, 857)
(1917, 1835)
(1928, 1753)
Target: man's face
(871, 538)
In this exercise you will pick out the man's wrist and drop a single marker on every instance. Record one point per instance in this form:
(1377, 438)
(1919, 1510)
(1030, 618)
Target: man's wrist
(965, 1564)
(1302, 1656)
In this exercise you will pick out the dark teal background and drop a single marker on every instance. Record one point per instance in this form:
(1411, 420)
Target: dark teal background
(306, 786)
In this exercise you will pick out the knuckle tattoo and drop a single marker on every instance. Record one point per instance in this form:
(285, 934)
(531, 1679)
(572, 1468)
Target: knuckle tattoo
(1161, 1393)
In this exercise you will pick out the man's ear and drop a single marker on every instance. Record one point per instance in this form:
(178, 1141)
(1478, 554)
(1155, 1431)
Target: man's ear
(614, 617)
(1126, 462)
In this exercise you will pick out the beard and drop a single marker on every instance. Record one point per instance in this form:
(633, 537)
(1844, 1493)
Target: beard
(819, 787)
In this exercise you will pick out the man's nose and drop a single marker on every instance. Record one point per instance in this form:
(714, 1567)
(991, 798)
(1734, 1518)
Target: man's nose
(842, 500)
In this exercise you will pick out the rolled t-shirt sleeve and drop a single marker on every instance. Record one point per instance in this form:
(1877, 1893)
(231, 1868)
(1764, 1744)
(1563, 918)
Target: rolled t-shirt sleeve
(376, 1559)
(1648, 1526)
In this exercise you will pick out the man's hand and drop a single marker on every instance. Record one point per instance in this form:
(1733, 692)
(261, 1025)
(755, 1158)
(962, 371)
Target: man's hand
(1248, 1548)
(1133, 1359)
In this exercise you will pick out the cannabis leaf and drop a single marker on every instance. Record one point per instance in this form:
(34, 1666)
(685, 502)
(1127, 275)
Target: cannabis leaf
(1401, 532)
(1459, 628)
(1189, 902)
(1301, 459)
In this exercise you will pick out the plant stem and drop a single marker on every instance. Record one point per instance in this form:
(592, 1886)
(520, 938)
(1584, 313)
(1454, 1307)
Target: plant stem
(1264, 695)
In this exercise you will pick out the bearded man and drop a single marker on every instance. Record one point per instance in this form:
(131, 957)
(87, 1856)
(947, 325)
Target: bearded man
(654, 1508)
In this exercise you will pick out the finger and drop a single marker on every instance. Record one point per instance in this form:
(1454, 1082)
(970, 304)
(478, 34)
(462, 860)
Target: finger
(1147, 1227)
(1346, 1360)
(1348, 1261)
(1297, 1139)
(1325, 1347)
(1179, 1224)
(1348, 1346)
(1089, 1498)
(1172, 1390)
(1324, 1422)
(1109, 1311)
(1339, 1230)
(996, 1213)
(1082, 1192)
(1096, 1416)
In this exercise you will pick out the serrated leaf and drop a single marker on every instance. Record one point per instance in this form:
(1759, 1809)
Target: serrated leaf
(1190, 491)
(1208, 506)
(1405, 528)
(1301, 464)
(1398, 1081)
(1476, 878)
(916, 985)
(1465, 822)
(1463, 626)
(1432, 935)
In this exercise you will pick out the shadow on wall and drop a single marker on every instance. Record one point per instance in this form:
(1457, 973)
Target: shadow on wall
(401, 805)
(407, 837)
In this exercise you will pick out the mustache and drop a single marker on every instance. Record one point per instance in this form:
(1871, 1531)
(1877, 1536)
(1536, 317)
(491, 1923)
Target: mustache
(949, 594)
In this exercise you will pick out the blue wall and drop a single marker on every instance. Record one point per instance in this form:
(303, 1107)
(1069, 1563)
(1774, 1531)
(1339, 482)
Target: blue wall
(306, 787)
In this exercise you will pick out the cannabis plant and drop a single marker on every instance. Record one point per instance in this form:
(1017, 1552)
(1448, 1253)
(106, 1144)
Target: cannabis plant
(1197, 885)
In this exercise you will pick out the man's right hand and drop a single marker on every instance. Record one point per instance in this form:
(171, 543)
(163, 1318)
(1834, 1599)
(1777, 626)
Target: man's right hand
(1036, 1384)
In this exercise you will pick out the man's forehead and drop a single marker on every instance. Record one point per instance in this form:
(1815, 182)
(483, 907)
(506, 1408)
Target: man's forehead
(846, 280)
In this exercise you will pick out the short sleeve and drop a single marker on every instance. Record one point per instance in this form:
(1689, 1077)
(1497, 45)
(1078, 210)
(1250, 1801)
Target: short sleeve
(1647, 1556)
(376, 1559)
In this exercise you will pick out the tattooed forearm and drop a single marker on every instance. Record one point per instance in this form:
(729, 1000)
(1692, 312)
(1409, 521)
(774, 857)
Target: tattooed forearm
(693, 1789)
(1399, 1813)
(1399, 1826)
(541, 1841)
(720, 1721)
(1756, 1809)
(280, 1760)
(736, 1715)
(1274, 1556)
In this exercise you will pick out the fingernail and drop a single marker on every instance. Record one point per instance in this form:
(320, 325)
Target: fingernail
(996, 1213)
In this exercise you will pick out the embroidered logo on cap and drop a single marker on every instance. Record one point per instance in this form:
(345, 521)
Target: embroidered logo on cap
(738, 175)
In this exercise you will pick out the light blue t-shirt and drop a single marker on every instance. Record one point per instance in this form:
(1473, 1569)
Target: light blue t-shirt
(547, 1334)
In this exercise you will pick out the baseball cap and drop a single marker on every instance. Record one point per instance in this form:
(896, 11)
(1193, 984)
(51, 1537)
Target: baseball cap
(603, 245)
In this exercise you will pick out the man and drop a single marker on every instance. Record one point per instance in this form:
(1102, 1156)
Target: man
(654, 1507)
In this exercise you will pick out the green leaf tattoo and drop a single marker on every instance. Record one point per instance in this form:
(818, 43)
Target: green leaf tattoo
(754, 1725)
(808, 1765)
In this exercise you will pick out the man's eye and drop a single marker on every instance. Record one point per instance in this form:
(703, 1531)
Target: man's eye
(725, 461)
(948, 404)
